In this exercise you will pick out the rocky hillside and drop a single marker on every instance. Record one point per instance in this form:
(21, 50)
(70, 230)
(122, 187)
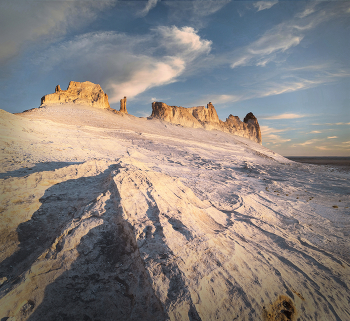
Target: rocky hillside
(107, 216)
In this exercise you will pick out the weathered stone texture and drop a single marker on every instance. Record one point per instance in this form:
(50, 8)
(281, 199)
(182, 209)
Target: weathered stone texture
(123, 105)
(84, 93)
(207, 117)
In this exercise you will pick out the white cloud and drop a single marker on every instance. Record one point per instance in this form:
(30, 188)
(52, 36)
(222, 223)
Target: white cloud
(220, 99)
(321, 67)
(196, 8)
(269, 135)
(270, 43)
(152, 74)
(285, 116)
(308, 10)
(282, 37)
(324, 148)
(331, 137)
(264, 50)
(308, 142)
(315, 132)
(149, 5)
(128, 65)
(262, 5)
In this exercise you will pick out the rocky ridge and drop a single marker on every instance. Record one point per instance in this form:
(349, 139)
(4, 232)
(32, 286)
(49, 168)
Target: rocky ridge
(207, 117)
(90, 94)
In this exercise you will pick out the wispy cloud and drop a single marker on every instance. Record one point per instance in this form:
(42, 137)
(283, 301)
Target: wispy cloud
(218, 99)
(194, 11)
(26, 22)
(269, 135)
(285, 116)
(332, 137)
(324, 147)
(283, 37)
(330, 124)
(337, 124)
(315, 132)
(262, 5)
(287, 84)
(149, 5)
(308, 10)
(128, 65)
(261, 51)
(308, 142)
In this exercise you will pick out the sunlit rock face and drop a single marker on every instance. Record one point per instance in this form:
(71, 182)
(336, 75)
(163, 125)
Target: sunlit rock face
(251, 119)
(207, 117)
(83, 93)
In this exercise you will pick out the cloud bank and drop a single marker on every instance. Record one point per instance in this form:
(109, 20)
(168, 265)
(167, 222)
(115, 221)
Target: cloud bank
(127, 65)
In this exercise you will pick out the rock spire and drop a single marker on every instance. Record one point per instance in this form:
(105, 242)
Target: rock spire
(123, 105)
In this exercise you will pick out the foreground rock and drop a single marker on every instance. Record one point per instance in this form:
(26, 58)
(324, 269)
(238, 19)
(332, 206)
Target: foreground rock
(207, 117)
(106, 217)
(81, 93)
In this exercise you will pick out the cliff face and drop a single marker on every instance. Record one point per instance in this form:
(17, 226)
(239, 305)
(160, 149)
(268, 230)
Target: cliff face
(86, 93)
(206, 117)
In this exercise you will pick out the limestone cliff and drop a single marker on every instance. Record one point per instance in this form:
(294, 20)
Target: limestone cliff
(207, 117)
(86, 93)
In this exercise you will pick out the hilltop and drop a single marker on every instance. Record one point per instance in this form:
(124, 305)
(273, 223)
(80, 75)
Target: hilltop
(106, 216)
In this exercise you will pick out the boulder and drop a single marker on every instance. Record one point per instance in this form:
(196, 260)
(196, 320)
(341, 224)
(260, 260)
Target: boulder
(83, 93)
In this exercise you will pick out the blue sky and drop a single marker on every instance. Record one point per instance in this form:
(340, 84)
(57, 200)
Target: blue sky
(285, 61)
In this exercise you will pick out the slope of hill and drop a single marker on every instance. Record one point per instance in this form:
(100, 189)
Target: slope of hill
(113, 217)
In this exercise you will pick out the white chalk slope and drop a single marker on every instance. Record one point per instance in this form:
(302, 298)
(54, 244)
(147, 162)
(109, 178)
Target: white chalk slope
(110, 217)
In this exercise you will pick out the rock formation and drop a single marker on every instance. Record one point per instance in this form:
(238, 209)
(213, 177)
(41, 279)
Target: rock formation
(206, 117)
(123, 105)
(251, 119)
(86, 93)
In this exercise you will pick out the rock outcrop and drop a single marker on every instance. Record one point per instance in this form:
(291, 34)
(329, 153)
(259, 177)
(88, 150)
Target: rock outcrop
(207, 117)
(85, 93)
(123, 105)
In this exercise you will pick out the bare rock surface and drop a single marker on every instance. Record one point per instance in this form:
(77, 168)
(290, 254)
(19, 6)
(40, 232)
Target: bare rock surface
(123, 105)
(105, 216)
(207, 117)
(83, 93)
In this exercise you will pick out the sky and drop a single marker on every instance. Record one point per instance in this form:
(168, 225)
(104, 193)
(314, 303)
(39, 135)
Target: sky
(287, 62)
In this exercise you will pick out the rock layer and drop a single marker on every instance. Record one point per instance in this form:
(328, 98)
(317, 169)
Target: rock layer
(207, 117)
(83, 93)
